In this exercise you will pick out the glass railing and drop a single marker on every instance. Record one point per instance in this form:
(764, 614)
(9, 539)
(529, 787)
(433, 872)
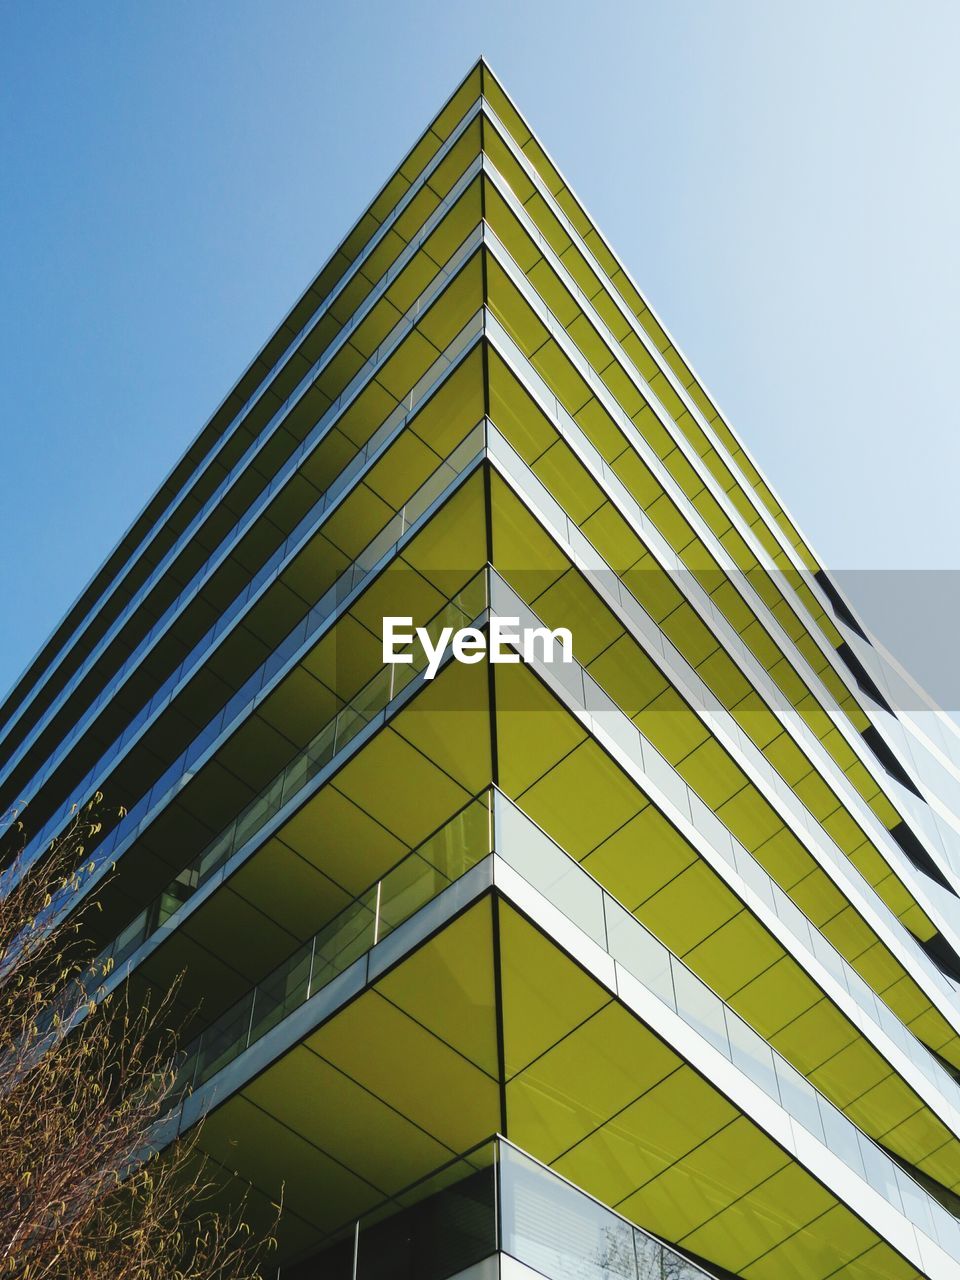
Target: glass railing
(563, 882)
(745, 489)
(306, 527)
(370, 702)
(256, 509)
(669, 375)
(584, 901)
(564, 1234)
(319, 612)
(914, 810)
(495, 1198)
(702, 600)
(425, 872)
(377, 553)
(680, 672)
(599, 707)
(938, 776)
(322, 309)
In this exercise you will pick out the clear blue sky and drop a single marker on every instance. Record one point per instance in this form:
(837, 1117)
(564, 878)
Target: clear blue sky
(781, 180)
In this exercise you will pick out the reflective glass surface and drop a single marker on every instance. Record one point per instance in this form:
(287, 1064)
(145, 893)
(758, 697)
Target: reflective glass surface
(547, 868)
(319, 615)
(384, 230)
(385, 433)
(674, 564)
(644, 957)
(368, 705)
(611, 718)
(448, 854)
(559, 1231)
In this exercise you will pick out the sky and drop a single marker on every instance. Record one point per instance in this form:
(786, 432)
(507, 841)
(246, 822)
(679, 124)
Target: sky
(781, 181)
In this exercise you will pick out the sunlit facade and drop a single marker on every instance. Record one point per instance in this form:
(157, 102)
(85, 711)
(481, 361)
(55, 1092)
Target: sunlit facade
(640, 965)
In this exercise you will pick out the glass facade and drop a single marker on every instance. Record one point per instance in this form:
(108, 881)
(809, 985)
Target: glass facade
(496, 1199)
(676, 920)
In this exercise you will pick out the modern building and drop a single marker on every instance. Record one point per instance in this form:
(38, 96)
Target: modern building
(640, 965)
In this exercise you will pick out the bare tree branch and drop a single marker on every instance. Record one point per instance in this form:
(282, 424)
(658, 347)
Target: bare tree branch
(83, 1082)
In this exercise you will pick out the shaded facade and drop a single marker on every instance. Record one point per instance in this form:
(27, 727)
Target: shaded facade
(641, 965)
